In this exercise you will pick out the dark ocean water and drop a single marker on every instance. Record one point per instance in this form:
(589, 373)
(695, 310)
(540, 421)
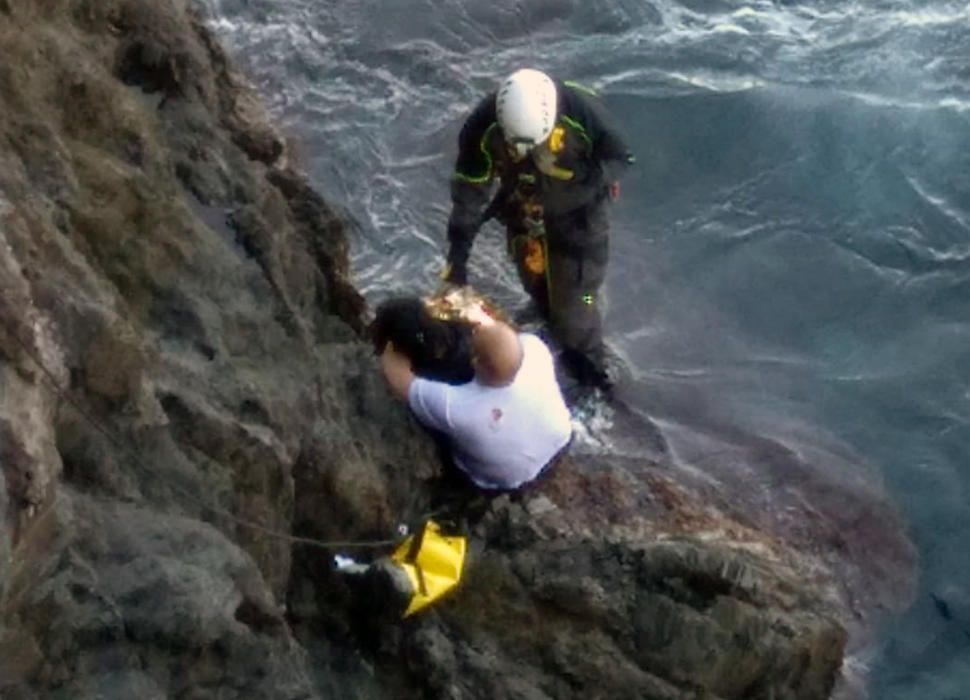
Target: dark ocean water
(791, 256)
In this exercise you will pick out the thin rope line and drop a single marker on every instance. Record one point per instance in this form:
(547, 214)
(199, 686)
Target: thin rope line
(64, 395)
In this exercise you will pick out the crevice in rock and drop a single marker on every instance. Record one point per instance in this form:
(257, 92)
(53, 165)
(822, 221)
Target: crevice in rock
(697, 590)
(172, 313)
(148, 65)
(254, 411)
(79, 471)
(259, 618)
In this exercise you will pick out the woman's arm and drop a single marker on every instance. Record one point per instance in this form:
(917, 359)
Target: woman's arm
(397, 371)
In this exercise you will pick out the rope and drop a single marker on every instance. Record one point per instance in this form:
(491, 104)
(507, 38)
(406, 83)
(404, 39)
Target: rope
(64, 395)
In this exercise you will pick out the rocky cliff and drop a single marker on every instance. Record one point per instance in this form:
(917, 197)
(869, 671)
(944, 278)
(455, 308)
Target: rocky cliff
(185, 400)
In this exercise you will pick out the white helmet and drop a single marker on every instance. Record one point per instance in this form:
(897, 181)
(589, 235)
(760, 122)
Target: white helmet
(526, 108)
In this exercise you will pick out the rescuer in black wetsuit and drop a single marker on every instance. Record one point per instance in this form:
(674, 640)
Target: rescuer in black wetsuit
(550, 145)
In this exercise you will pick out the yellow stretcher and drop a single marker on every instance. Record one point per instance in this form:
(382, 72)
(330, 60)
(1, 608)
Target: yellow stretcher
(432, 562)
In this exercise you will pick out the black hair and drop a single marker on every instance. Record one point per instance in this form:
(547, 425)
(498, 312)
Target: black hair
(438, 350)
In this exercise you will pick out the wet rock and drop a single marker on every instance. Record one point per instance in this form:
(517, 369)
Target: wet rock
(675, 611)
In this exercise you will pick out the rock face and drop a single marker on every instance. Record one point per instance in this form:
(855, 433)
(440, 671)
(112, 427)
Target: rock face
(184, 394)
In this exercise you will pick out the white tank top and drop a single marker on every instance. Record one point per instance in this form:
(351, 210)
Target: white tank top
(501, 436)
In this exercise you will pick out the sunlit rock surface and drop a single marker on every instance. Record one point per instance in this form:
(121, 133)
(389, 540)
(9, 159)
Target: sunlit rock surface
(183, 386)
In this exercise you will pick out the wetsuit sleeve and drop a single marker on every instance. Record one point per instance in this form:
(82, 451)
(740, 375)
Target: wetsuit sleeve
(429, 400)
(609, 147)
(471, 185)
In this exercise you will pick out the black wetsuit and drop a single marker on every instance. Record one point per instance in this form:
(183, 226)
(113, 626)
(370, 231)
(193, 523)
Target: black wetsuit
(560, 202)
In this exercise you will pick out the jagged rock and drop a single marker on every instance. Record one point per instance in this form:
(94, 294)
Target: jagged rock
(185, 399)
(138, 598)
(620, 613)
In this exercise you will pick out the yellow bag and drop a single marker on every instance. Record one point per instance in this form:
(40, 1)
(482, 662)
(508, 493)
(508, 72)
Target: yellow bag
(432, 562)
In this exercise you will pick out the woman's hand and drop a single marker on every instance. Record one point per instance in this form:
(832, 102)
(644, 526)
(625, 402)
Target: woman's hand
(477, 315)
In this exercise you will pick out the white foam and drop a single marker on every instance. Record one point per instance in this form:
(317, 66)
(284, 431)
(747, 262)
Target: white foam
(749, 12)
(416, 161)
(718, 83)
(948, 103)
(592, 421)
(729, 28)
(942, 206)
(930, 17)
(955, 104)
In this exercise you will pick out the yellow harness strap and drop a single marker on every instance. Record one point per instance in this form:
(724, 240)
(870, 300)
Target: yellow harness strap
(535, 256)
(545, 155)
